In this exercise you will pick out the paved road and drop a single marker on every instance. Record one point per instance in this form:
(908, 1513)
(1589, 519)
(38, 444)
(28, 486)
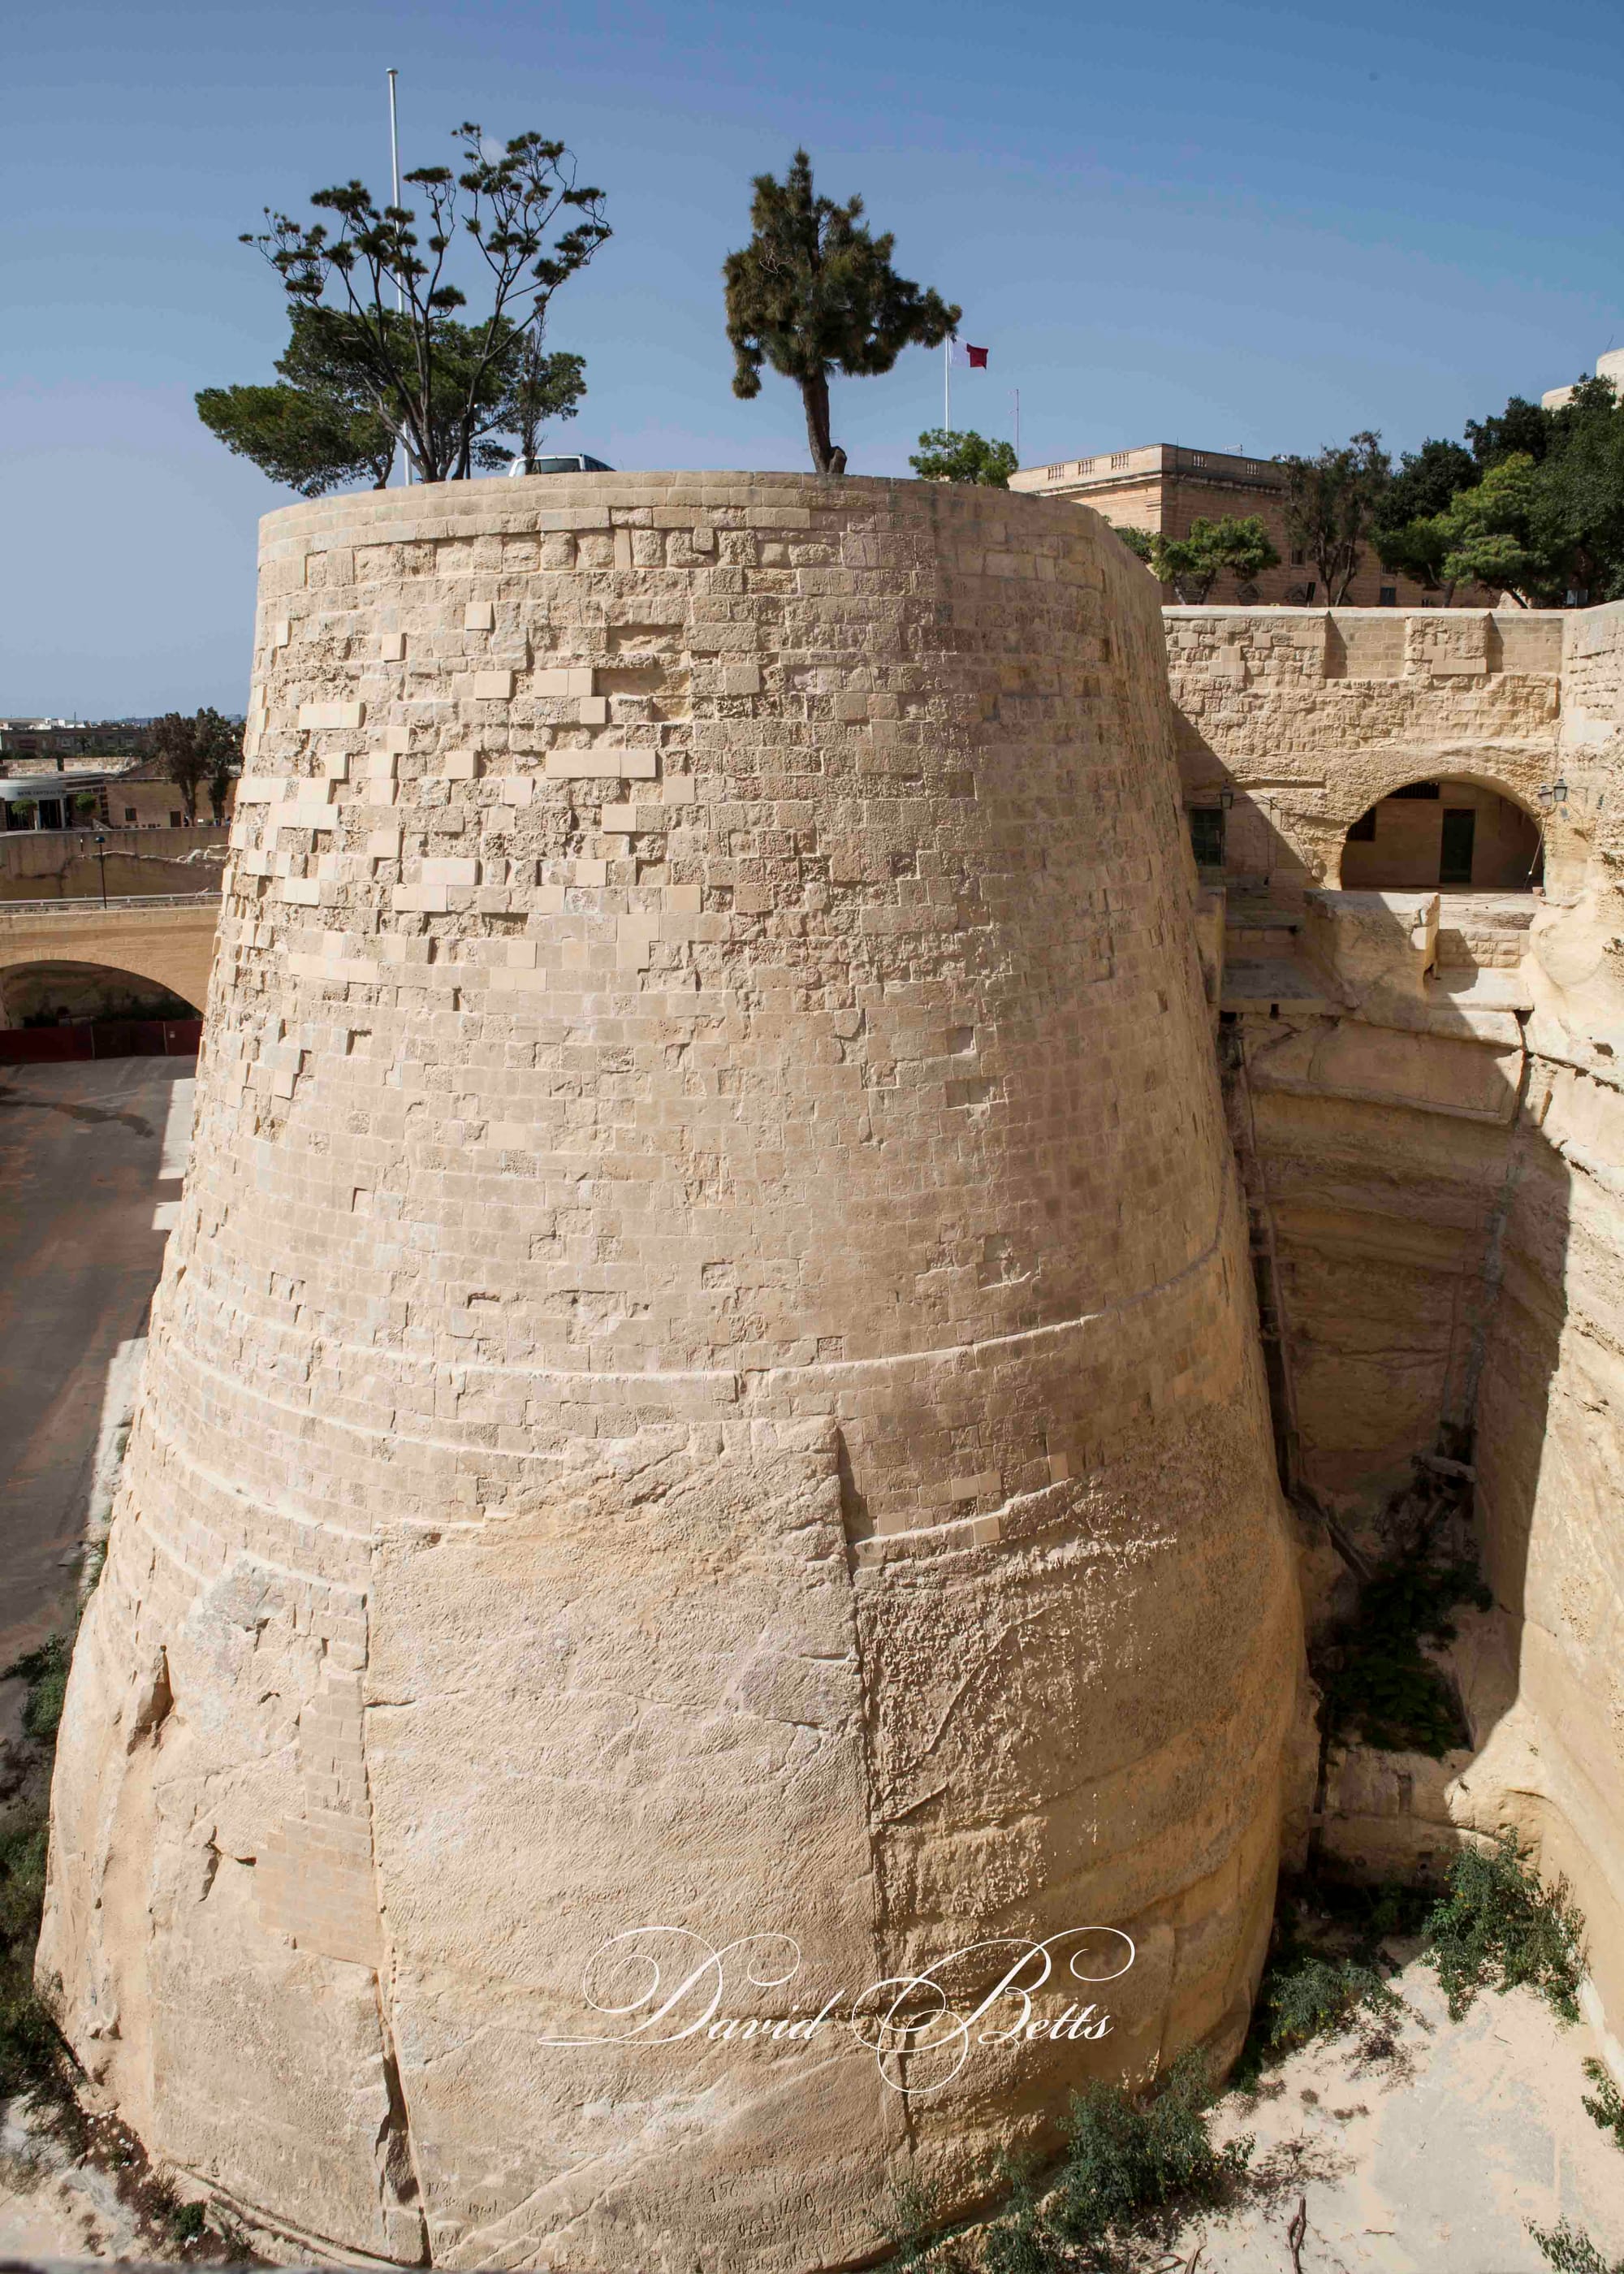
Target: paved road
(82, 1154)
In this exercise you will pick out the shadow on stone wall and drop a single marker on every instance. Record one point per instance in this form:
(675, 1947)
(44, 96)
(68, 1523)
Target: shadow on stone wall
(1446, 1285)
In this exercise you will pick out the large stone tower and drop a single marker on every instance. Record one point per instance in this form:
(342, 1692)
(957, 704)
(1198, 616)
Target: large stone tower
(705, 1384)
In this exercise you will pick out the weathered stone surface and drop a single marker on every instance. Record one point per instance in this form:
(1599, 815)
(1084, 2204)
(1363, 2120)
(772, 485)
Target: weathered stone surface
(706, 1378)
(1437, 1172)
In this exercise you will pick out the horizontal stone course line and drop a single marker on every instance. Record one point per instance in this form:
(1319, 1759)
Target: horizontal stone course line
(966, 1356)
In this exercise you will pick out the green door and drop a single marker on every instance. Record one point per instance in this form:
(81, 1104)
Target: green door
(1455, 867)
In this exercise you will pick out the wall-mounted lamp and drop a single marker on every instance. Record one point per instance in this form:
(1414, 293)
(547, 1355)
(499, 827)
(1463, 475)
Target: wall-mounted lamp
(1226, 799)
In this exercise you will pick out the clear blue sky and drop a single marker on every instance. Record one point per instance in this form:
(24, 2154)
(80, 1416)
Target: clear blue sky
(1254, 228)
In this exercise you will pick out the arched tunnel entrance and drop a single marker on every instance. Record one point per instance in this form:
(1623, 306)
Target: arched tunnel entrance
(1449, 835)
(65, 1010)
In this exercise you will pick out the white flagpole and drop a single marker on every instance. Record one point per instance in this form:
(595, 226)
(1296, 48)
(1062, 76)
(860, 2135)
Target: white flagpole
(399, 294)
(1017, 426)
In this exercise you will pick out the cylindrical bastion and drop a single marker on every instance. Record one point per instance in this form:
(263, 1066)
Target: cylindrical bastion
(705, 1387)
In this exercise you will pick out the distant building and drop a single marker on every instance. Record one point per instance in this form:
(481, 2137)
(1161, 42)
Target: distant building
(140, 796)
(52, 742)
(144, 797)
(1610, 365)
(1164, 487)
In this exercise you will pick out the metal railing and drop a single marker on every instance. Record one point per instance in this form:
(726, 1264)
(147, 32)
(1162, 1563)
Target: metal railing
(93, 905)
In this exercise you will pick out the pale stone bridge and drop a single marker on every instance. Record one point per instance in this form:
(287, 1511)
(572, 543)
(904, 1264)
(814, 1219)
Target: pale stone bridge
(170, 940)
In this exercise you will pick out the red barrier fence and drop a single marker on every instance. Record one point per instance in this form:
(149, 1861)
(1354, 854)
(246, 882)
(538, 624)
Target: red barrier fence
(100, 1038)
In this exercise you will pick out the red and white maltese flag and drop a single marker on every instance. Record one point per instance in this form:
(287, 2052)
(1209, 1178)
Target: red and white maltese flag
(968, 358)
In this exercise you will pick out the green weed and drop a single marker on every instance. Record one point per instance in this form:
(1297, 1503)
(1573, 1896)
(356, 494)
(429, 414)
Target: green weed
(1498, 1927)
(1126, 2160)
(1376, 1678)
(45, 1671)
(1605, 2104)
(30, 2049)
(1570, 2252)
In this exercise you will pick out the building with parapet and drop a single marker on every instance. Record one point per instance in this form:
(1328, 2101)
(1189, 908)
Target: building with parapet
(1164, 487)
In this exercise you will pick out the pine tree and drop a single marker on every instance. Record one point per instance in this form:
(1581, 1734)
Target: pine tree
(814, 292)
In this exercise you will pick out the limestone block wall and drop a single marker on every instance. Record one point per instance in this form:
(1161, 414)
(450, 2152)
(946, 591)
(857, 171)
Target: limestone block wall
(1307, 718)
(706, 1380)
(48, 864)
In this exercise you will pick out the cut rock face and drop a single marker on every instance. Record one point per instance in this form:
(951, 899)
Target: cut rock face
(705, 1393)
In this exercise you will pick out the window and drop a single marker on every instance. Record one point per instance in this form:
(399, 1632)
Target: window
(1207, 835)
(1363, 830)
(1387, 596)
(128, 813)
(1297, 558)
(175, 821)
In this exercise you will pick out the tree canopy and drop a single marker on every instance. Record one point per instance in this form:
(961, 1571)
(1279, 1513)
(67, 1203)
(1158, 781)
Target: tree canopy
(1240, 546)
(316, 428)
(948, 454)
(1523, 430)
(1543, 522)
(814, 292)
(1332, 502)
(320, 429)
(1502, 533)
(205, 749)
(431, 379)
(1408, 541)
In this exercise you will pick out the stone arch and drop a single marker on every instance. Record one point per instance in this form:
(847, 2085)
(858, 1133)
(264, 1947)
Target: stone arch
(50, 987)
(168, 947)
(1506, 856)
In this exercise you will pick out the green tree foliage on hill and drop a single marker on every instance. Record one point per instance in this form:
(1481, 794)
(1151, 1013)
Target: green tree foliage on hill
(1333, 501)
(947, 454)
(815, 292)
(431, 379)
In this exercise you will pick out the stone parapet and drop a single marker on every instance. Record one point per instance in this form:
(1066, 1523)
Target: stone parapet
(1304, 719)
